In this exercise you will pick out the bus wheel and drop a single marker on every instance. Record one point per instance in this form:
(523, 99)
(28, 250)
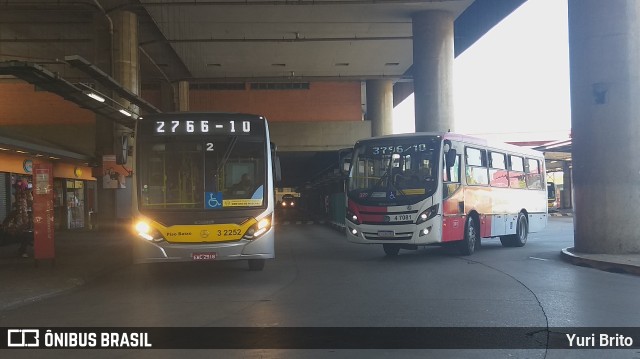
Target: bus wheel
(471, 237)
(256, 264)
(522, 233)
(391, 249)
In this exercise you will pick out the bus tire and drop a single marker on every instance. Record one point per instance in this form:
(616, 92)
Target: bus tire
(390, 249)
(256, 264)
(522, 233)
(471, 237)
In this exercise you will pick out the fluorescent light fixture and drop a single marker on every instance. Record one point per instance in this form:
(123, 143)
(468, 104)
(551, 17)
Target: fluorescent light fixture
(21, 151)
(4, 149)
(54, 158)
(124, 112)
(95, 97)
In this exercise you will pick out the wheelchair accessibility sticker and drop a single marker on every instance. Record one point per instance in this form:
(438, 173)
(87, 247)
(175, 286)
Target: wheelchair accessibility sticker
(213, 199)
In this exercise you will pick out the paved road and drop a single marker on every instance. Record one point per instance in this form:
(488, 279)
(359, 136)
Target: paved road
(319, 280)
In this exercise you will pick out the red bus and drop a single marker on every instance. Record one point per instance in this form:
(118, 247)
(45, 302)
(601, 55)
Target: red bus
(411, 190)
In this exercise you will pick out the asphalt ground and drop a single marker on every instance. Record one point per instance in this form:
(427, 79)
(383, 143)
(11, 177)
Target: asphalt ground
(81, 256)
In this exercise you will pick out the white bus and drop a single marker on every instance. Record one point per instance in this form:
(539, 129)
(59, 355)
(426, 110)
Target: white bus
(412, 190)
(204, 188)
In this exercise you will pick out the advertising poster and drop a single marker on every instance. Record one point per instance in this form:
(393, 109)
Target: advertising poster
(43, 221)
(113, 175)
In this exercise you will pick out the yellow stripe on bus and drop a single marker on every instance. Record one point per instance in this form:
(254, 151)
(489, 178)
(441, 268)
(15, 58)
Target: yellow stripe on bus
(209, 233)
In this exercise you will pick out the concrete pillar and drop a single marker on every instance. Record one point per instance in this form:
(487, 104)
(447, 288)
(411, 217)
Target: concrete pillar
(433, 70)
(125, 66)
(380, 106)
(183, 96)
(604, 43)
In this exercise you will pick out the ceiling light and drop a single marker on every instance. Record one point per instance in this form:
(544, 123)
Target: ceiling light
(124, 112)
(95, 97)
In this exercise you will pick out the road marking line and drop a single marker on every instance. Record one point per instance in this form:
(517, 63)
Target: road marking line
(539, 259)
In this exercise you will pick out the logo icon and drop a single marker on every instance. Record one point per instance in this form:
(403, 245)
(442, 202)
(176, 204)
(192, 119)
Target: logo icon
(213, 199)
(204, 233)
(21, 338)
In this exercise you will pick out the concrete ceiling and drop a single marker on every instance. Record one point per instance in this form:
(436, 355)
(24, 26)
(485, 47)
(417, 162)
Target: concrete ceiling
(241, 40)
(308, 39)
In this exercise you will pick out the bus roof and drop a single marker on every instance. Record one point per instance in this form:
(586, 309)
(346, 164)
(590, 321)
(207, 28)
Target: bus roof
(462, 138)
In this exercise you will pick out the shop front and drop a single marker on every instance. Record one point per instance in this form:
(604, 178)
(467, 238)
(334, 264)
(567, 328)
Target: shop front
(74, 188)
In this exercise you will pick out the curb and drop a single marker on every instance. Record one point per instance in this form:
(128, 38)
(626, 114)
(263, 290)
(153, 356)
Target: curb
(582, 260)
(557, 214)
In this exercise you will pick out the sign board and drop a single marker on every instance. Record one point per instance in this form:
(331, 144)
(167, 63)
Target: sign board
(43, 222)
(113, 174)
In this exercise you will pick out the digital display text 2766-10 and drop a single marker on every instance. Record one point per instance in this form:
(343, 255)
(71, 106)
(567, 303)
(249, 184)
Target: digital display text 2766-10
(201, 127)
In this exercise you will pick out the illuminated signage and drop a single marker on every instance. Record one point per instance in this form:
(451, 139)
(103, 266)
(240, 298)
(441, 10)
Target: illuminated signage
(201, 127)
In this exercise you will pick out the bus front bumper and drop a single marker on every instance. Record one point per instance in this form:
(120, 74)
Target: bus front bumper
(399, 234)
(151, 252)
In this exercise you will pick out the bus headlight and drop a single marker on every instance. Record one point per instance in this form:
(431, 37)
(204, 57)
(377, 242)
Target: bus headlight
(258, 229)
(425, 231)
(428, 214)
(352, 217)
(147, 232)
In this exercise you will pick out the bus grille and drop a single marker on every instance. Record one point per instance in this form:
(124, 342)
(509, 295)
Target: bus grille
(387, 223)
(401, 236)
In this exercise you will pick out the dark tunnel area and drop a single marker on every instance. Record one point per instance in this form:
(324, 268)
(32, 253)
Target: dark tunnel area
(318, 181)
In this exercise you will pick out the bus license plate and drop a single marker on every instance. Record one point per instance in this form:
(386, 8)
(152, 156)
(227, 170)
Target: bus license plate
(402, 217)
(209, 256)
(386, 234)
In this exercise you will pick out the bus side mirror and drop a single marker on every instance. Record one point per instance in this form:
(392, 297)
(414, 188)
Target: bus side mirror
(344, 157)
(122, 153)
(277, 172)
(276, 169)
(346, 163)
(449, 153)
(451, 157)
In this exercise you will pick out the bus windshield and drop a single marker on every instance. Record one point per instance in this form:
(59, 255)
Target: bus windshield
(394, 171)
(214, 173)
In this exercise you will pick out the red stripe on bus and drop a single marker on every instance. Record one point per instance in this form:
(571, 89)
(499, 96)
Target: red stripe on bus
(452, 228)
(376, 218)
(485, 226)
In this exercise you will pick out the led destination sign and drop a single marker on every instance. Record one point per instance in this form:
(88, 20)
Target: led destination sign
(201, 127)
